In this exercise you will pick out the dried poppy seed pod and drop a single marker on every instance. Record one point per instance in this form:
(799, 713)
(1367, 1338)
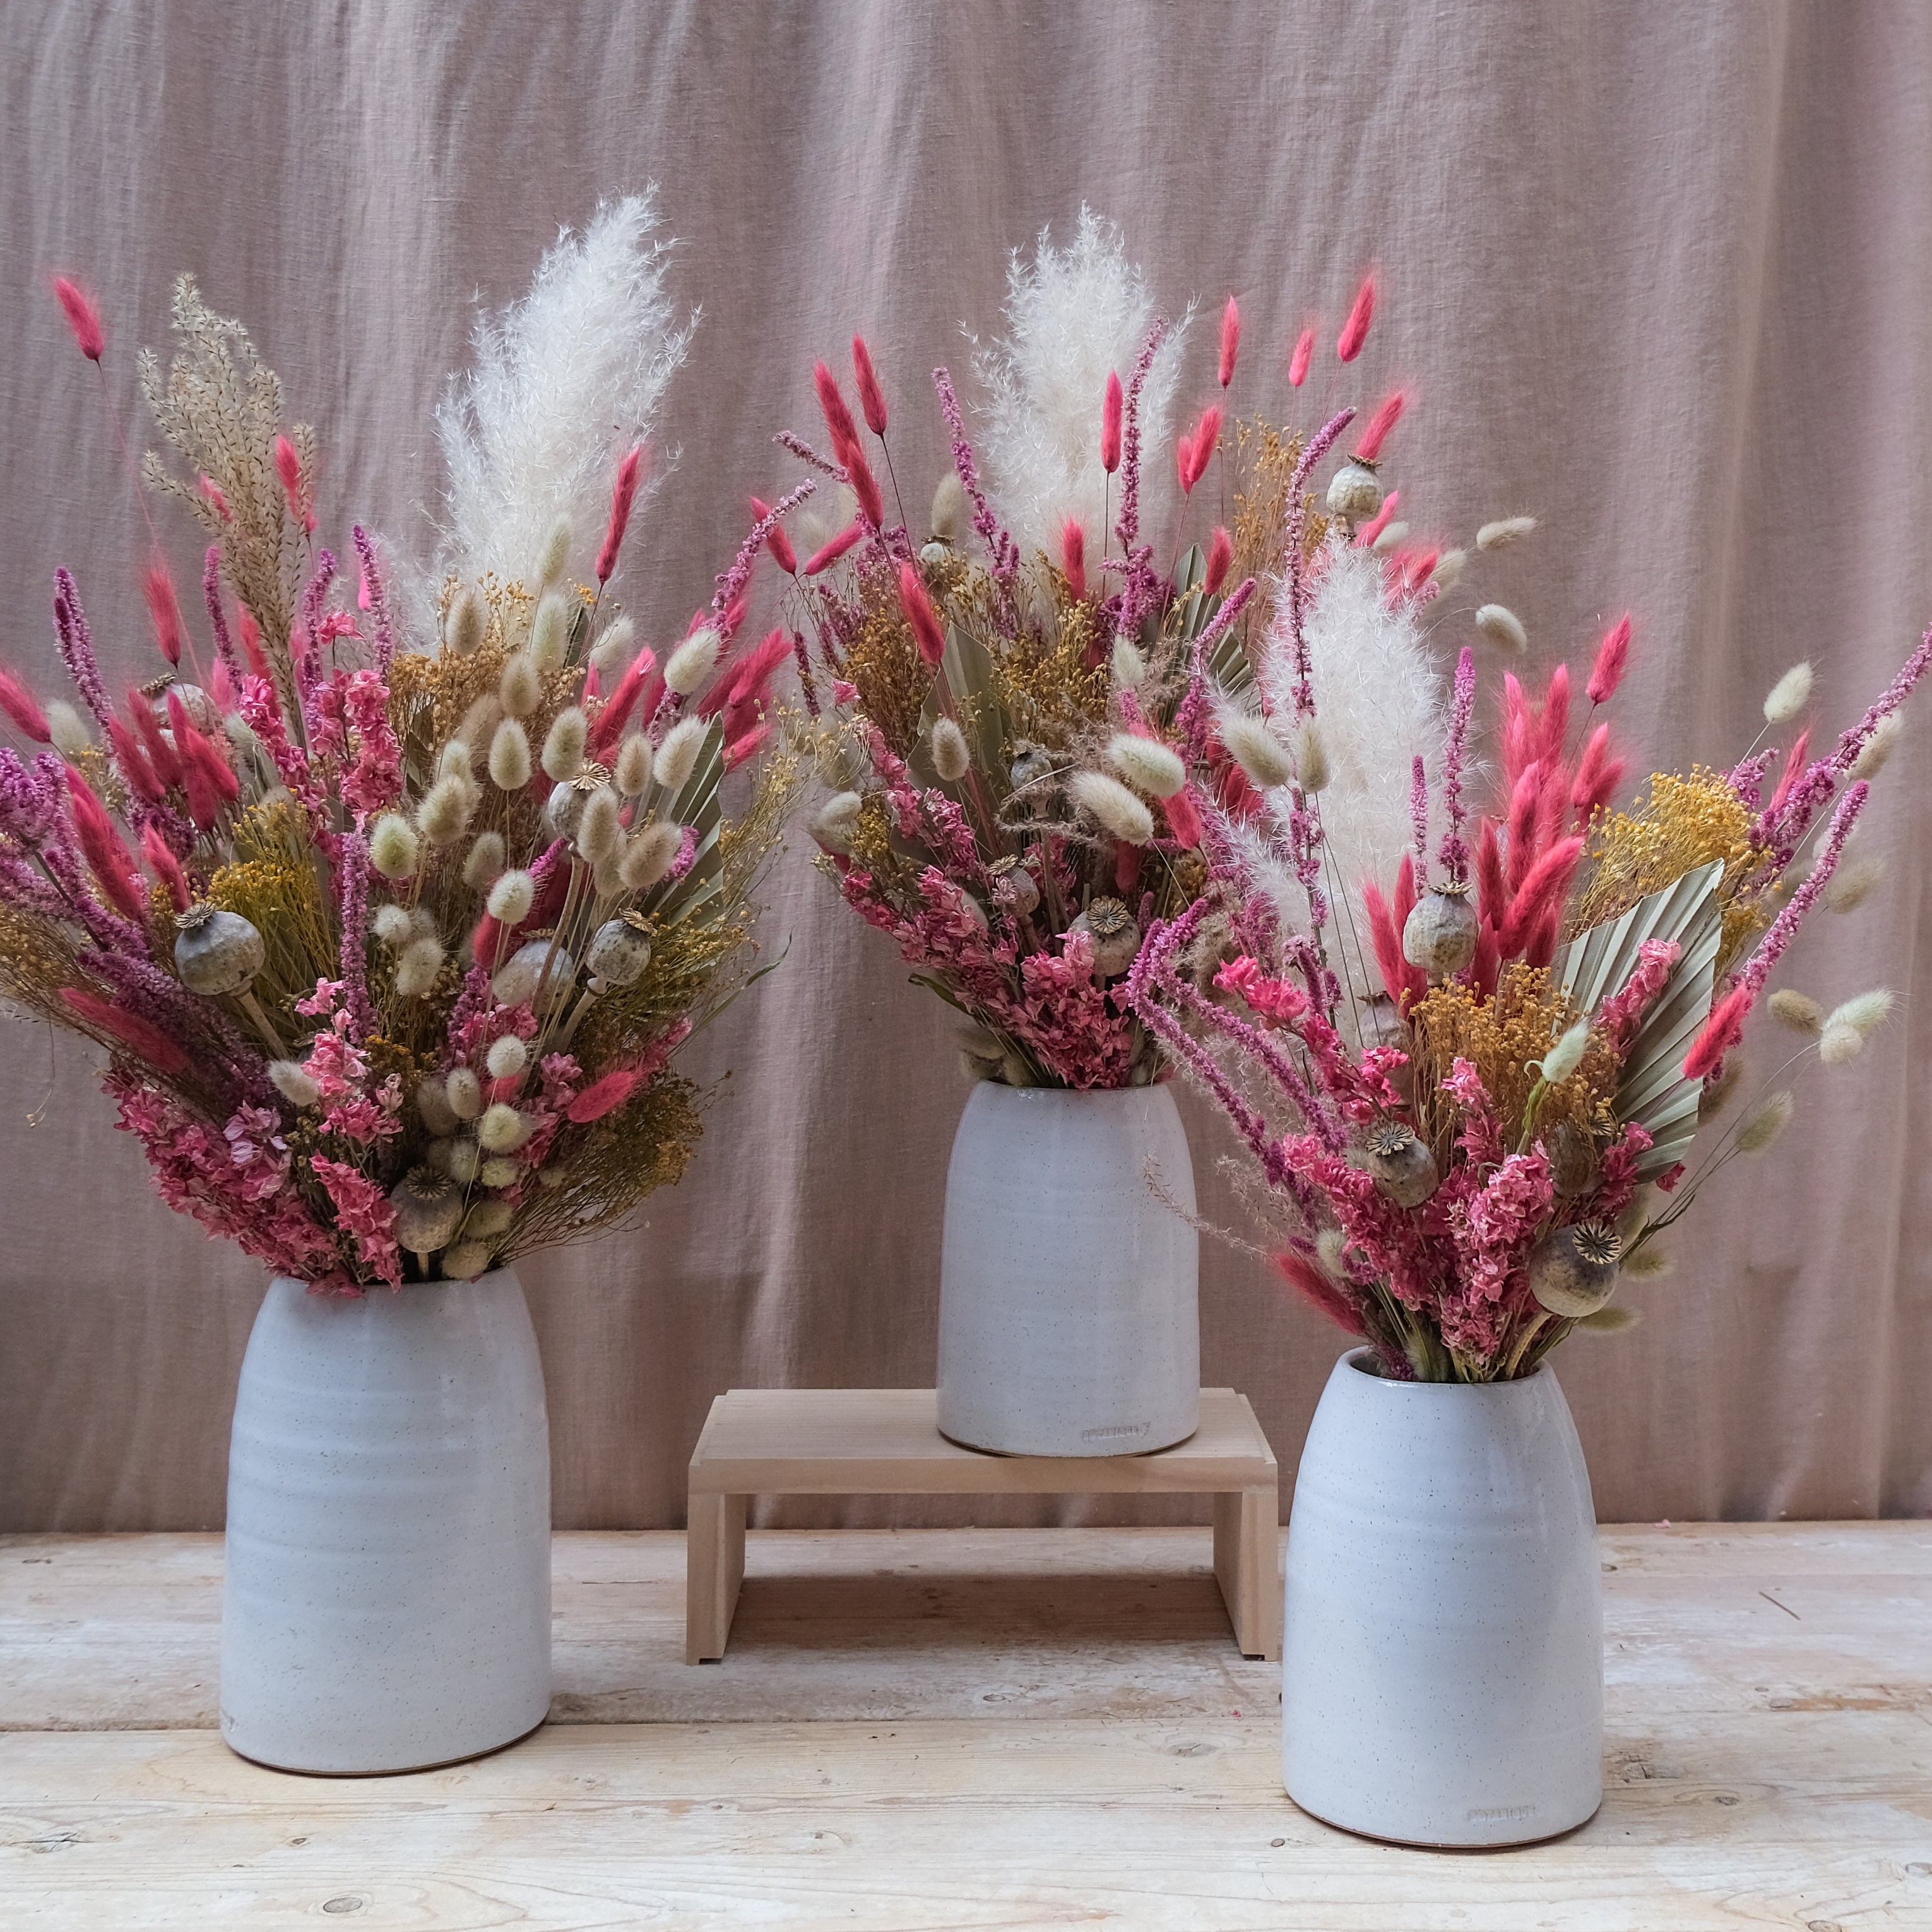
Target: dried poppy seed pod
(1439, 935)
(540, 962)
(1014, 887)
(428, 1209)
(216, 952)
(1572, 1270)
(1573, 1159)
(1403, 1168)
(1032, 765)
(619, 951)
(1116, 938)
(1355, 492)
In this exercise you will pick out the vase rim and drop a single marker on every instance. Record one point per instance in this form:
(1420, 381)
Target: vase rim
(1362, 1357)
(379, 1290)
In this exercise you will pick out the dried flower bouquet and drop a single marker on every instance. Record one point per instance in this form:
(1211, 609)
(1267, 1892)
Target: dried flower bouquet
(391, 948)
(1467, 1061)
(1009, 714)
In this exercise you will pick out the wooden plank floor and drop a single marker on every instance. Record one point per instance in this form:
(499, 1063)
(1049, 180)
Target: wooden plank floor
(926, 1729)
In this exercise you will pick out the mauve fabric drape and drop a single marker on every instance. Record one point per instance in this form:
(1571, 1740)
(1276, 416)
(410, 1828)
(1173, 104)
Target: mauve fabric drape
(1657, 273)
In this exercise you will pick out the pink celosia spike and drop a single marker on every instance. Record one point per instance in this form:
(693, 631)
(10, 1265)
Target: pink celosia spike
(623, 494)
(871, 398)
(211, 490)
(1794, 769)
(1300, 356)
(158, 586)
(1073, 556)
(158, 1049)
(167, 867)
(1384, 420)
(82, 317)
(1220, 559)
(919, 614)
(777, 542)
(1613, 656)
(1231, 340)
(294, 485)
(20, 704)
(1366, 536)
(1110, 424)
(1355, 330)
(1721, 1032)
(830, 552)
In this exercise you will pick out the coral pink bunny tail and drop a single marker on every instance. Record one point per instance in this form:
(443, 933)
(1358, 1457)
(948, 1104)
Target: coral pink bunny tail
(871, 398)
(167, 867)
(1612, 657)
(1384, 420)
(82, 317)
(112, 864)
(828, 553)
(777, 542)
(20, 705)
(1301, 356)
(1220, 558)
(623, 493)
(1231, 340)
(1073, 556)
(294, 485)
(148, 1041)
(919, 614)
(1110, 424)
(1722, 1031)
(158, 586)
(1355, 330)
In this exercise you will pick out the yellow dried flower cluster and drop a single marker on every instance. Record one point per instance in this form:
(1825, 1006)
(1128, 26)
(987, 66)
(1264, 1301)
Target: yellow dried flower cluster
(272, 882)
(1048, 683)
(892, 679)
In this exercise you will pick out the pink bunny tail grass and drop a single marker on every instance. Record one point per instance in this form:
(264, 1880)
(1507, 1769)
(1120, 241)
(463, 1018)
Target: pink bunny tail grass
(1110, 423)
(866, 487)
(776, 541)
(252, 653)
(1599, 776)
(167, 868)
(1366, 536)
(743, 749)
(1309, 1280)
(1231, 340)
(82, 317)
(1183, 819)
(20, 705)
(838, 416)
(828, 553)
(1794, 769)
(1300, 356)
(623, 494)
(1355, 330)
(221, 688)
(1073, 556)
(1541, 894)
(136, 773)
(871, 398)
(919, 614)
(1183, 462)
(212, 491)
(158, 586)
(742, 683)
(1220, 559)
(112, 864)
(1206, 438)
(616, 711)
(1721, 1032)
(294, 485)
(603, 1096)
(142, 1036)
(1613, 660)
(1384, 420)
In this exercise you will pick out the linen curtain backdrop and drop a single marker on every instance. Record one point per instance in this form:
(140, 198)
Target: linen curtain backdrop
(1658, 274)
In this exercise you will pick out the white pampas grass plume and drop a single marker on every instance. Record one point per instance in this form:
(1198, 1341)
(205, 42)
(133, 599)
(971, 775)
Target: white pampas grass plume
(1074, 316)
(64, 727)
(677, 756)
(1765, 1122)
(1391, 536)
(465, 1158)
(1851, 885)
(443, 816)
(1148, 765)
(507, 1057)
(1449, 568)
(464, 1093)
(1265, 760)
(1311, 758)
(502, 1129)
(464, 1260)
(294, 1082)
(947, 744)
(1503, 628)
(391, 925)
(601, 829)
(510, 757)
(949, 523)
(1129, 667)
(499, 1172)
(469, 618)
(1789, 695)
(1879, 747)
(1504, 530)
(556, 553)
(485, 860)
(511, 897)
(1116, 808)
(633, 772)
(421, 961)
(393, 846)
(1611, 1321)
(549, 635)
(837, 819)
(565, 382)
(1865, 1014)
(519, 690)
(564, 743)
(1838, 1044)
(648, 857)
(1797, 1010)
(616, 645)
(692, 662)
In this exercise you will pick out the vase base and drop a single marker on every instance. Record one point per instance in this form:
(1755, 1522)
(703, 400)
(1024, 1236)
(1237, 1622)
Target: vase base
(1070, 1455)
(1426, 1844)
(398, 1770)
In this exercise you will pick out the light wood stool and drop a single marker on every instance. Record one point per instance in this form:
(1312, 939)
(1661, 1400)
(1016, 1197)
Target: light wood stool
(846, 1442)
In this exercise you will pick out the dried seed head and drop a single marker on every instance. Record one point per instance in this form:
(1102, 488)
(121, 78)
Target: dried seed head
(1789, 695)
(1311, 758)
(433, 1103)
(692, 662)
(677, 756)
(443, 816)
(948, 510)
(499, 1171)
(549, 635)
(1403, 1168)
(393, 848)
(466, 1261)
(1765, 1122)
(951, 759)
(1262, 757)
(619, 950)
(1449, 568)
(1572, 1270)
(391, 925)
(649, 854)
(564, 743)
(416, 971)
(1116, 936)
(540, 970)
(1504, 530)
(601, 830)
(519, 690)
(616, 646)
(510, 757)
(1129, 667)
(464, 1093)
(511, 897)
(427, 1209)
(1440, 933)
(507, 1057)
(1354, 493)
(1850, 885)
(485, 860)
(556, 554)
(502, 1129)
(294, 1082)
(1797, 1011)
(469, 618)
(1116, 808)
(488, 1218)
(217, 953)
(465, 1158)
(1146, 764)
(634, 765)
(1879, 747)
(1503, 628)
(64, 728)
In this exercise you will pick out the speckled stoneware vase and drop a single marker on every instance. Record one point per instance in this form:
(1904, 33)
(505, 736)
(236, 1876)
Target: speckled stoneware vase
(1068, 1318)
(1442, 1664)
(386, 1601)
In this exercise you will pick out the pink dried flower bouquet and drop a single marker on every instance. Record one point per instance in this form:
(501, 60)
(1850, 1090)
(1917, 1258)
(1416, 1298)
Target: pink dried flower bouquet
(390, 950)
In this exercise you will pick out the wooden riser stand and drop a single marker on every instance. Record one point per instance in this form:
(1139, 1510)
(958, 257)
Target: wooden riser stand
(846, 1442)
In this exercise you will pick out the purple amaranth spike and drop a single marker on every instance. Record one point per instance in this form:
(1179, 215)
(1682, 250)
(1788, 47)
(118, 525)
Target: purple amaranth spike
(731, 582)
(217, 618)
(1771, 948)
(385, 638)
(308, 665)
(1453, 853)
(1005, 553)
(353, 876)
(75, 643)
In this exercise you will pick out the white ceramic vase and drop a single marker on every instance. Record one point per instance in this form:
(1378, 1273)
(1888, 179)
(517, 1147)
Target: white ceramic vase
(1068, 1318)
(1442, 1665)
(386, 1603)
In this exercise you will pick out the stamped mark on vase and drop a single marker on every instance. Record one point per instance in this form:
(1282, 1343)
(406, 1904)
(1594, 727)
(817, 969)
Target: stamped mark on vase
(1500, 1814)
(1114, 1432)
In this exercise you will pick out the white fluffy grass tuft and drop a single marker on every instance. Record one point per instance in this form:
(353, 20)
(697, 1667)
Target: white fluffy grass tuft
(1073, 316)
(565, 382)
